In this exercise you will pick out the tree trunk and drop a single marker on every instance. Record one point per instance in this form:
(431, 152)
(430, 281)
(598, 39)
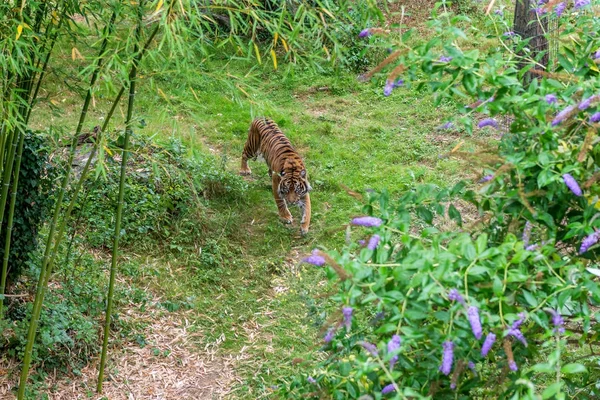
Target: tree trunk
(529, 27)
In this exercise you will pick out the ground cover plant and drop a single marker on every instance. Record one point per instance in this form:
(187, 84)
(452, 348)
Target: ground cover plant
(491, 309)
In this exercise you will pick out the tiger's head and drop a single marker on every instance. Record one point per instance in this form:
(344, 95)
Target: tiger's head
(294, 185)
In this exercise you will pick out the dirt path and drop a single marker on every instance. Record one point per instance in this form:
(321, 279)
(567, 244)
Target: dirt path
(171, 365)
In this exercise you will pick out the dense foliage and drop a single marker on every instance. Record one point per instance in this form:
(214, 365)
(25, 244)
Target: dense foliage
(506, 305)
(166, 189)
(33, 200)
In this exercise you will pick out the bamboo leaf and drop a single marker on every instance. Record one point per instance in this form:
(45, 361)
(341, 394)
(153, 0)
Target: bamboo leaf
(162, 94)
(257, 52)
(159, 5)
(19, 31)
(274, 57)
(285, 46)
(75, 54)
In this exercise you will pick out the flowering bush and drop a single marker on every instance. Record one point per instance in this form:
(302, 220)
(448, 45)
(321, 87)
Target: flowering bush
(492, 310)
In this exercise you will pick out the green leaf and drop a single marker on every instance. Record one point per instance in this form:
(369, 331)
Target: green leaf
(481, 243)
(470, 83)
(551, 390)
(530, 298)
(454, 214)
(573, 368)
(468, 251)
(544, 368)
(565, 63)
(425, 214)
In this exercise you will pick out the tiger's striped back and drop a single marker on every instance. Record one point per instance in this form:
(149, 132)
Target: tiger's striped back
(267, 140)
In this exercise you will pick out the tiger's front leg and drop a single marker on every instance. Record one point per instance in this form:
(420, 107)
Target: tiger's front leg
(284, 214)
(305, 223)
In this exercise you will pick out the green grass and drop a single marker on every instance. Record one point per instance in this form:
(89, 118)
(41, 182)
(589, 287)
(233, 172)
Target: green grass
(245, 284)
(348, 133)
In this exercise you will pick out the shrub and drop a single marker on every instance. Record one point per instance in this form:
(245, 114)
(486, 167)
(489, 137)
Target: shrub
(525, 273)
(34, 199)
(165, 189)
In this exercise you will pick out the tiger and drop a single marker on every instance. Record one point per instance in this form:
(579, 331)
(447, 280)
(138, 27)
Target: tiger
(287, 171)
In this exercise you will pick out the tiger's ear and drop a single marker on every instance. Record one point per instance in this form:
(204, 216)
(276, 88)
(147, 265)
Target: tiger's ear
(303, 173)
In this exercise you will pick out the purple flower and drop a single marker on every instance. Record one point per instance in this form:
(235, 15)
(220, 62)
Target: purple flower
(488, 122)
(517, 324)
(387, 89)
(347, 312)
(399, 83)
(527, 233)
(508, 34)
(561, 116)
(588, 242)
(364, 33)
(586, 103)
(393, 345)
(473, 316)
(499, 12)
(487, 344)
(447, 125)
(389, 50)
(572, 184)
(597, 55)
(532, 247)
(314, 259)
(560, 8)
(447, 358)
(595, 118)
(581, 3)
(367, 221)
(486, 178)
(445, 59)
(472, 367)
(329, 335)
(517, 334)
(388, 389)
(370, 347)
(551, 98)
(512, 365)
(361, 242)
(558, 322)
(378, 317)
(310, 379)
(455, 296)
(373, 242)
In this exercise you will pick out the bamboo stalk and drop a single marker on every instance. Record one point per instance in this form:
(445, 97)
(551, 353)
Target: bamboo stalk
(11, 212)
(75, 195)
(119, 212)
(44, 271)
(23, 113)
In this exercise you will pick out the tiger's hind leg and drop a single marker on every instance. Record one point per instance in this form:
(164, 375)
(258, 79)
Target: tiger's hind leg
(284, 213)
(305, 223)
(245, 169)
